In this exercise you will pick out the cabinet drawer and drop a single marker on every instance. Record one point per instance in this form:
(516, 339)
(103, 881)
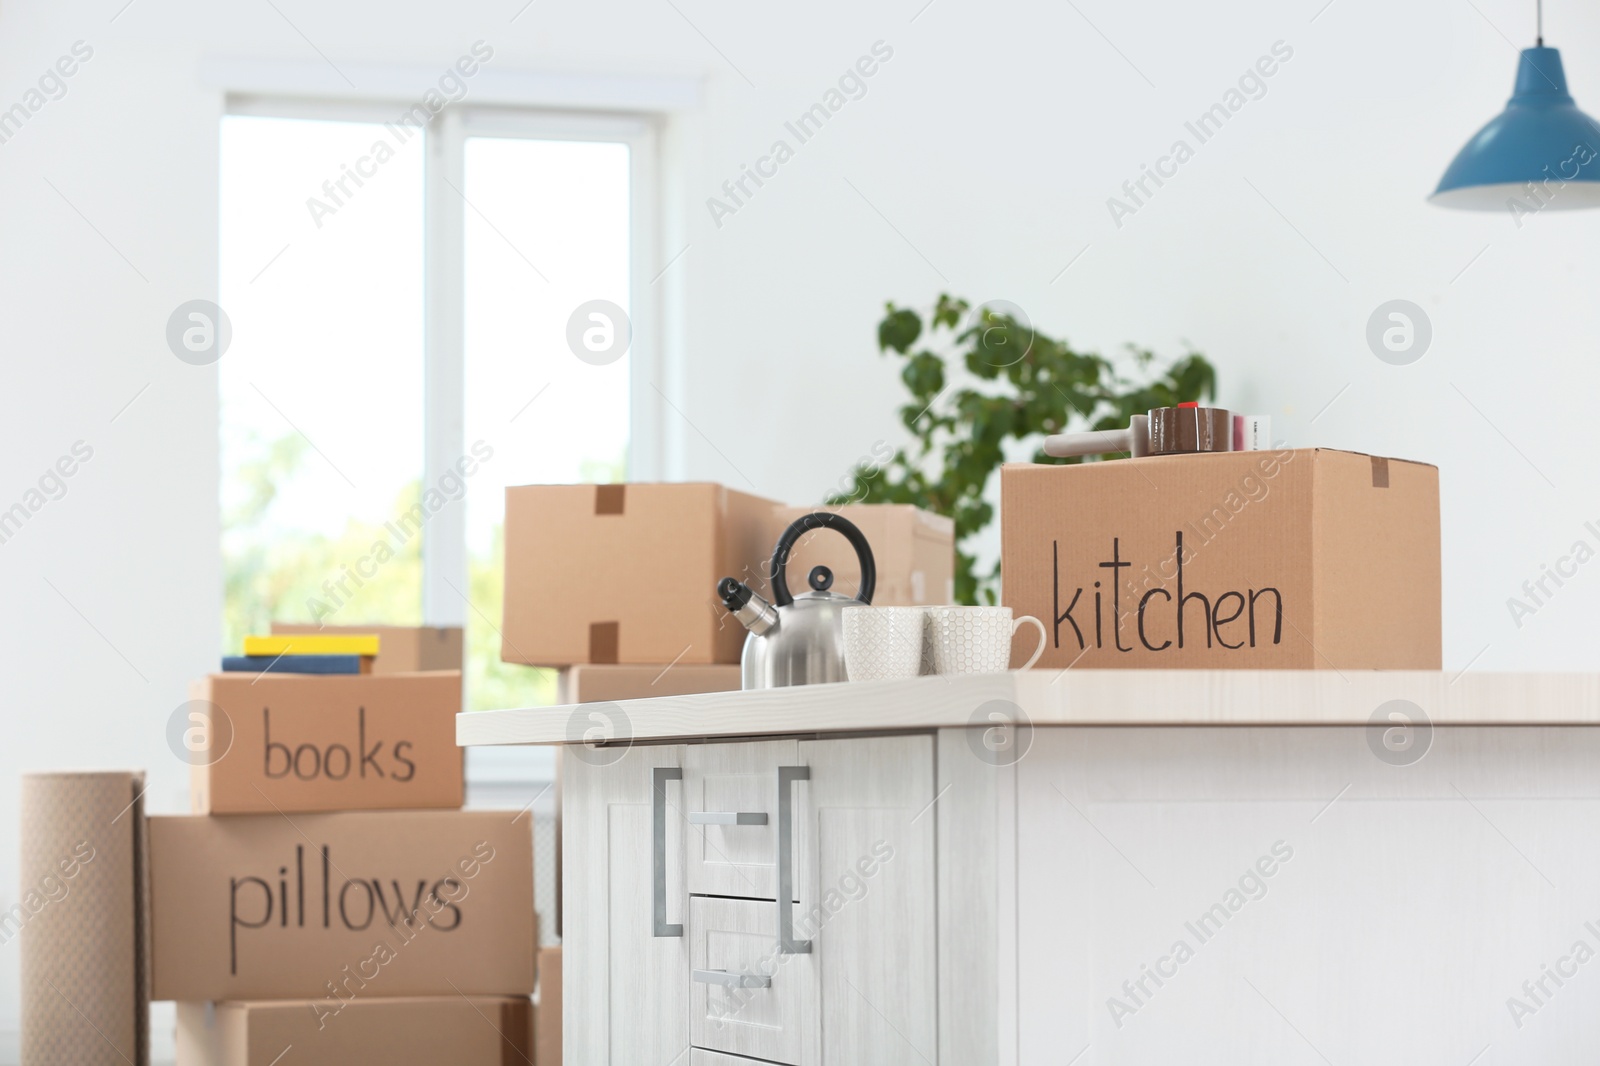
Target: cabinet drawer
(731, 806)
(744, 997)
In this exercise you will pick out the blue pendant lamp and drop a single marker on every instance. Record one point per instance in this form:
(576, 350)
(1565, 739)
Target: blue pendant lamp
(1540, 152)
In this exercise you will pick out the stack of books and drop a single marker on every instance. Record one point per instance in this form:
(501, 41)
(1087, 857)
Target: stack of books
(304, 653)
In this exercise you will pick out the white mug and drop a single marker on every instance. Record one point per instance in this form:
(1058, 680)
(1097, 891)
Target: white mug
(884, 643)
(977, 640)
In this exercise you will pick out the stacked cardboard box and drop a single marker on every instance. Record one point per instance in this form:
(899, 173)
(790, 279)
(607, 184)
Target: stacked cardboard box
(547, 1026)
(616, 584)
(913, 551)
(626, 573)
(604, 683)
(1294, 559)
(330, 894)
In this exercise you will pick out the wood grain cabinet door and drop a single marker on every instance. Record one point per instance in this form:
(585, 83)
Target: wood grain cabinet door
(867, 898)
(625, 904)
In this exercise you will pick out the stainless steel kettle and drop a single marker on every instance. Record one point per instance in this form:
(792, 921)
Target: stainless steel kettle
(798, 640)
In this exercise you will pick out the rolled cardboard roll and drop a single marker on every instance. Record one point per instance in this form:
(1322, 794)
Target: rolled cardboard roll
(81, 919)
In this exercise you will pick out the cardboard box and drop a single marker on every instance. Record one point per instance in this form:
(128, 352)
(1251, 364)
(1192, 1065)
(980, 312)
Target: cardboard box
(913, 551)
(547, 1030)
(324, 907)
(401, 649)
(1304, 559)
(626, 573)
(327, 743)
(605, 684)
(460, 1030)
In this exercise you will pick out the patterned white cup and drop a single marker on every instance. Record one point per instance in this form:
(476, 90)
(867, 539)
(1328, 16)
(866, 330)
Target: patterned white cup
(977, 640)
(884, 643)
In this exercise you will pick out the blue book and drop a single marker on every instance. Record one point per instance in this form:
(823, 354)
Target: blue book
(292, 664)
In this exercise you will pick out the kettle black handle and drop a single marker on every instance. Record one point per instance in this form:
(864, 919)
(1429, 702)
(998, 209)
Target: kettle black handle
(821, 520)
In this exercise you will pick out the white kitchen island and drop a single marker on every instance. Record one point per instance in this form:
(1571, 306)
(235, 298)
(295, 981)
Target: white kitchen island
(1108, 867)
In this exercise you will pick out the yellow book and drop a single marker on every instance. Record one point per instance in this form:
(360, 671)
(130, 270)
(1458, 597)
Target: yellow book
(311, 644)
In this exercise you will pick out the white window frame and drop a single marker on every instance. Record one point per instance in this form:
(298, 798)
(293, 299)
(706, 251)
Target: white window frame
(444, 549)
(446, 555)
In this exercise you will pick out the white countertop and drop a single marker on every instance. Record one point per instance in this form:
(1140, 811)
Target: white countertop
(1060, 698)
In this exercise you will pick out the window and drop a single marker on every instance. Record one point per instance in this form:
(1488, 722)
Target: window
(322, 385)
(547, 234)
(401, 354)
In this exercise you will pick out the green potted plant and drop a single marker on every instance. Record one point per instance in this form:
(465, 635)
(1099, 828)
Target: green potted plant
(1022, 386)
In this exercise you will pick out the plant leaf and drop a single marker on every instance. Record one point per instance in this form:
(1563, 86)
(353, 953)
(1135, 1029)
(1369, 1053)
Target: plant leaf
(1035, 385)
(899, 329)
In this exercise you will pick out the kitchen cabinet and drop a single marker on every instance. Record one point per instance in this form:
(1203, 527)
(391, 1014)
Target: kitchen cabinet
(871, 898)
(768, 900)
(625, 996)
(1145, 864)
(1288, 896)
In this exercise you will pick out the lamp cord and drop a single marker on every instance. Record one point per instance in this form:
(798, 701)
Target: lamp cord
(1539, 15)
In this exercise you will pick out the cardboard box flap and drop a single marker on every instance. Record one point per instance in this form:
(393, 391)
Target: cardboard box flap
(1191, 458)
(625, 573)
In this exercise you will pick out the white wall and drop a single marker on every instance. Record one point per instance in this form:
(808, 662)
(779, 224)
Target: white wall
(990, 142)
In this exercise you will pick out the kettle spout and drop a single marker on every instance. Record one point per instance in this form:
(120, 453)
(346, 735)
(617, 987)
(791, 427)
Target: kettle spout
(753, 612)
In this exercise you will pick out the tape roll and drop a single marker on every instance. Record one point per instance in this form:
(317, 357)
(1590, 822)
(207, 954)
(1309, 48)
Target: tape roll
(1188, 430)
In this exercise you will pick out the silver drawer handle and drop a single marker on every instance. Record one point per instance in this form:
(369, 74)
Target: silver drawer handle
(732, 980)
(727, 817)
(659, 776)
(787, 944)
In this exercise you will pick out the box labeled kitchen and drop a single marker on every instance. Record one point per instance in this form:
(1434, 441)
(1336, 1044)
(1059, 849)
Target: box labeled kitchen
(285, 743)
(460, 1030)
(626, 573)
(334, 907)
(913, 551)
(401, 649)
(1292, 559)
